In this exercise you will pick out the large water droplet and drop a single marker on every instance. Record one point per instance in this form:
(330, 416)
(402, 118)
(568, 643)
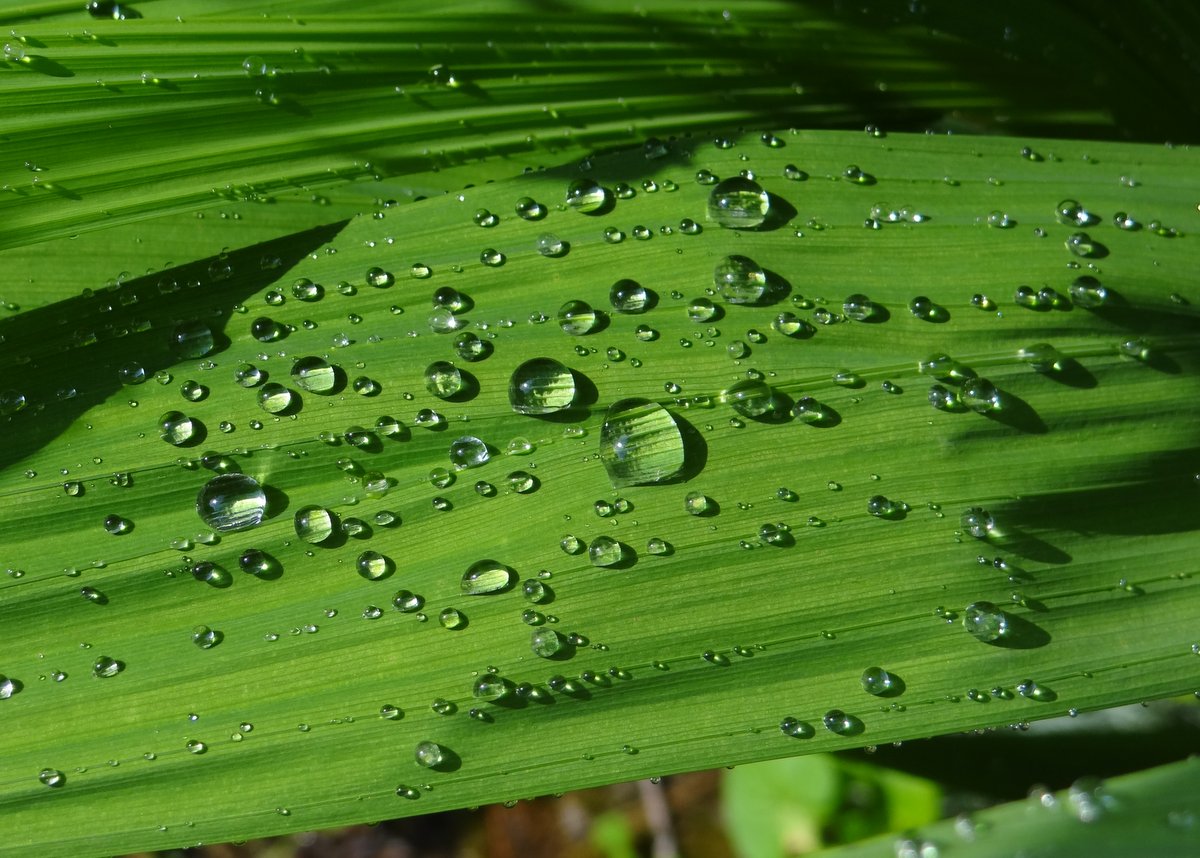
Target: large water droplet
(546, 642)
(52, 777)
(981, 395)
(443, 379)
(486, 576)
(193, 340)
(640, 443)
(740, 280)
(274, 398)
(541, 386)
(231, 502)
(105, 667)
(176, 428)
(977, 522)
(374, 566)
(750, 397)
(587, 196)
(468, 452)
(877, 681)
(577, 318)
(429, 754)
(738, 203)
(605, 551)
(985, 621)
(314, 524)
(314, 374)
(628, 296)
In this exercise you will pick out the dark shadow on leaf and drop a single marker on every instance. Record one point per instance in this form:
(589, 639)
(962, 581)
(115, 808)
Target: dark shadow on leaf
(43, 65)
(1022, 634)
(1073, 374)
(73, 344)
(1018, 414)
(779, 214)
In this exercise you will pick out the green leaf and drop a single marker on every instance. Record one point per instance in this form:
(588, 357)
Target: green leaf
(688, 658)
(174, 193)
(1150, 812)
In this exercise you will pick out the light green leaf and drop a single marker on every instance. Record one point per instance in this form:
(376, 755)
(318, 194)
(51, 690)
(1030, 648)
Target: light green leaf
(309, 704)
(1147, 813)
(687, 659)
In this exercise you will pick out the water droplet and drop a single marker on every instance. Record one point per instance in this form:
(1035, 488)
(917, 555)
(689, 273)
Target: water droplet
(231, 502)
(740, 280)
(541, 386)
(1087, 292)
(882, 507)
(629, 296)
(549, 244)
(697, 503)
(314, 524)
(795, 728)
(190, 390)
(443, 379)
(981, 396)
(1072, 213)
(491, 257)
(587, 196)
(486, 576)
(750, 397)
(738, 203)
(193, 340)
(577, 318)
(1081, 244)
(1000, 220)
(314, 374)
(205, 638)
(534, 591)
(985, 621)
(452, 619)
(640, 443)
(470, 347)
(877, 681)
(468, 452)
(131, 373)
(255, 561)
(546, 642)
(116, 525)
(274, 398)
(837, 721)
(859, 308)
(374, 566)
(529, 209)
(490, 687)
(977, 522)
(105, 667)
(177, 428)
(571, 544)
(52, 777)
(605, 551)
(521, 482)
(407, 601)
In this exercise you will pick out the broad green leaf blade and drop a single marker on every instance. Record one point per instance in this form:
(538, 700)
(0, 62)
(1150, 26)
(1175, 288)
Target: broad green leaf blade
(1147, 813)
(688, 656)
(197, 104)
